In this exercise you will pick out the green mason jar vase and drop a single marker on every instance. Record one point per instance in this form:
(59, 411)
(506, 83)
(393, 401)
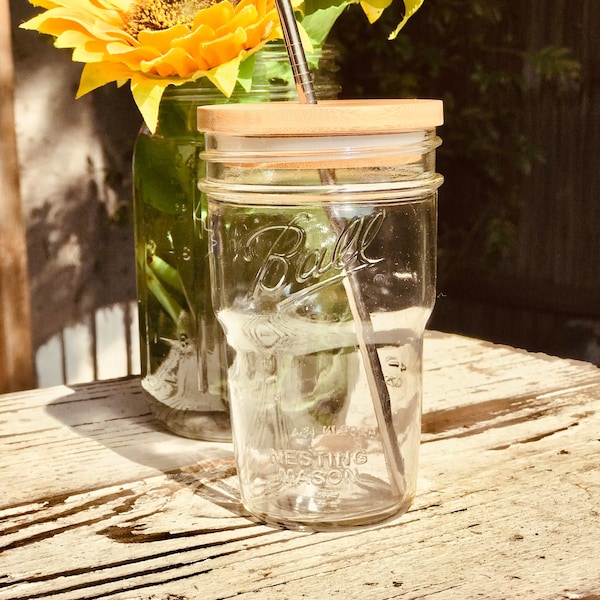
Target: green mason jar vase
(183, 352)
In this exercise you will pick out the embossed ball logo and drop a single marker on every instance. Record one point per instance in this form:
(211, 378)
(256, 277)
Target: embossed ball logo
(284, 256)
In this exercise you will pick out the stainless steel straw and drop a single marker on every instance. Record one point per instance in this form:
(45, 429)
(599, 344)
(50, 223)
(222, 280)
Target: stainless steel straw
(362, 318)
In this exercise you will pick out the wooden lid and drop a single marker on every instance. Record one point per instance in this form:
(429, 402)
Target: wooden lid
(332, 117)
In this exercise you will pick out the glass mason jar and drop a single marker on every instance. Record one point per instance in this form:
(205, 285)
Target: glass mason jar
(322, 222)
(183, 351)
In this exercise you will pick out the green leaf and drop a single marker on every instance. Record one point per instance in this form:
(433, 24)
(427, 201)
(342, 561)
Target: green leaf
(311, 6)
(318, 24)
(166, 169)
(245, 73)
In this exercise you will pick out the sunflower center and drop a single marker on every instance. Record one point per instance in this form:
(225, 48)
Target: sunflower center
(156, 15)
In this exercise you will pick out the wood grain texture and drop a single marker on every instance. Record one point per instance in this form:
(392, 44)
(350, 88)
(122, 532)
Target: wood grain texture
(16, 362)
(98, 502)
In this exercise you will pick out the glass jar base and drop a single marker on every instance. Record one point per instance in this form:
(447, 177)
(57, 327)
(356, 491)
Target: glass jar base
(322, 521)
(210, 426)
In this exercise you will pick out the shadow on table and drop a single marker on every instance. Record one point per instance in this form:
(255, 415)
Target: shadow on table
(116, 415)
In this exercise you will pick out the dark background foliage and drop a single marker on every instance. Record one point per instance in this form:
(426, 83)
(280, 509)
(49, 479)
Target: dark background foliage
(518, 81)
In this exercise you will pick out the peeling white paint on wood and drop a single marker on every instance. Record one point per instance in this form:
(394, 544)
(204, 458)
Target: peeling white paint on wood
(102, 345)
(98, 502)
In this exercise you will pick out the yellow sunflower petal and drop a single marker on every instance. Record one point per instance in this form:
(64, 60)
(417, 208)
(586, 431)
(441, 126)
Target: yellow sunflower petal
(95, 75)
(193, 44)
(43, 3)
(411, 7)
(76, 13)
(59, 22)
(71, 39)
(131, 57)
(266, 28)
(147, 94)
(224, 48)
(305, 39)
(374, 8)
(224, 77)
(175, 63)
(105, 10)
(215, 16)
(254, 36)
(161, 39)
(192, 40)
(242, 18)
(260, 5)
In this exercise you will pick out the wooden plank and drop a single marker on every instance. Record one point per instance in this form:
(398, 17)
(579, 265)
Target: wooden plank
(101, 346)
(49, 362)
(507, 505)
(79, 351)
(111, 348)
(134, 364)
(16, 358)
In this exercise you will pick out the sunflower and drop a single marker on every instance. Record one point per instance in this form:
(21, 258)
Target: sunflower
(157, 43)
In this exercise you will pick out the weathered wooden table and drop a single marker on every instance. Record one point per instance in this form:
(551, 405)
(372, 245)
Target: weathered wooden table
(97, 502)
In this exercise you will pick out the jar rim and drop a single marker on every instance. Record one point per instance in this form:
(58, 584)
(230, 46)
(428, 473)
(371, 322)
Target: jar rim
(331, 117)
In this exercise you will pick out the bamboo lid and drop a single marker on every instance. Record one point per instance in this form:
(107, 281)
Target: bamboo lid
(332, 117)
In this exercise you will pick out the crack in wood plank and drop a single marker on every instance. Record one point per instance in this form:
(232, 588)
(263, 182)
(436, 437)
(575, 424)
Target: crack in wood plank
(536, 438)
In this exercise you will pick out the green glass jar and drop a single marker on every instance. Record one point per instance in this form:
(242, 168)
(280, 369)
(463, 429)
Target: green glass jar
(182, 348)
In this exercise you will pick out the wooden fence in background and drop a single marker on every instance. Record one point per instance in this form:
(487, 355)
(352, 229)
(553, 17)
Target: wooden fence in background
(559, 230)
(549, 299)
(102, 345)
